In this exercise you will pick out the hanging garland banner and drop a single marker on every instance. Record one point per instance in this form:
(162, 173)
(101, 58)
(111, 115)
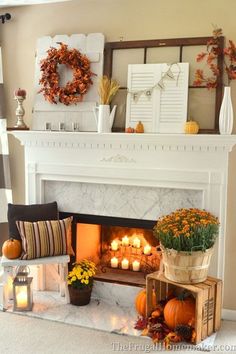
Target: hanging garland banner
(160, 84)
(74, 90)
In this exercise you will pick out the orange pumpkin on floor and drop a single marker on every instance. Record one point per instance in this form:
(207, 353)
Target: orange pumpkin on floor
(141, 301)
(179, 311)
(11, 249)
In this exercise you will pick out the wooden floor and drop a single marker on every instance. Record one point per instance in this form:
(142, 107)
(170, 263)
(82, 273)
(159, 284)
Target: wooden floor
(120, 276)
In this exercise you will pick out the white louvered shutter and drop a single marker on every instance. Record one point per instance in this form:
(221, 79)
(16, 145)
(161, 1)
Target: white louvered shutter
(173, 100)
(141, 77)
(165, 110)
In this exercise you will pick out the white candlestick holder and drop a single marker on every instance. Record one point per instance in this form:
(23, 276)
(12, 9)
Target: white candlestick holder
(20, 111)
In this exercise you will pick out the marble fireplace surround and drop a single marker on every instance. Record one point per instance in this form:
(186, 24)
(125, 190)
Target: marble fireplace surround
(130, 175)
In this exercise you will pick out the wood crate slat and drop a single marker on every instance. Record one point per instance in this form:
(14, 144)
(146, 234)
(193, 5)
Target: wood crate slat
(211, 305)
(208, 297)
(198, 317)
(218, 306)
(149, 290)
(218, 302)
(156, 287)
(207, 321)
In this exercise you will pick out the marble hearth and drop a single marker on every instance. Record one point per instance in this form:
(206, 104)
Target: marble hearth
(129, 175)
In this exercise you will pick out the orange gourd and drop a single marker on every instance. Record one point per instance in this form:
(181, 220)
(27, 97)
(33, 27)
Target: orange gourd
(191, 127)
(141, 301)
(11, 249)
(179, 311)
(156, 313)
(139, 127)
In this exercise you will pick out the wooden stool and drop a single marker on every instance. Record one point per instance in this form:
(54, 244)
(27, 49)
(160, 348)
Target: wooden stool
(60, 276)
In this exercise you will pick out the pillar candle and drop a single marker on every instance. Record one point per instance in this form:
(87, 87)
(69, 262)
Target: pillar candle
(21, 299)
(125, 241)
(114, 245)
(125, 264)
(114, 262)
(136, 242)
(136, 266)
(147, 250)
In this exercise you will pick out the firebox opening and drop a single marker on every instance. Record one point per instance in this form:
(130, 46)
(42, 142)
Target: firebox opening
(124, 250)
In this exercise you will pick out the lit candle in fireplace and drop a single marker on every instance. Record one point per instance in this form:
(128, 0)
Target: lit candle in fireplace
(125, 264)
(147, 250)
(125, 241)
(136, 266)
(114, 245)
(114, 262)
(136, 242)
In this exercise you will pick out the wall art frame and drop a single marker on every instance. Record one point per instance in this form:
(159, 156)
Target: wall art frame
(181, 43)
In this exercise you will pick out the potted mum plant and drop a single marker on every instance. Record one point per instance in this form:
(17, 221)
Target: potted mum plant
(228, 57)
(80, 282)
(187, 237)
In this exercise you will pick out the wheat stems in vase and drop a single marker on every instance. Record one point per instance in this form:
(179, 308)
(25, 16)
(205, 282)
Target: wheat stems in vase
(107, 88)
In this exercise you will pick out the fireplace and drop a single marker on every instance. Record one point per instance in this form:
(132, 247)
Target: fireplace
(136, 176)
(124, 249)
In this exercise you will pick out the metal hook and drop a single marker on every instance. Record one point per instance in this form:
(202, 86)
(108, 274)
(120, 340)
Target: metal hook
(5, 17)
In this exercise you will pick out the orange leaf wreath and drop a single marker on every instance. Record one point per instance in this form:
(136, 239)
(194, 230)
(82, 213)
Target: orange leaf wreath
(74, 90)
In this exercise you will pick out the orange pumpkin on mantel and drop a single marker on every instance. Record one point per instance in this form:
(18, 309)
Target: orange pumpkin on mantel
(179, 311)
(191, 127)
(141, 301)
(11, 249)
(139, 127)
(129, 130)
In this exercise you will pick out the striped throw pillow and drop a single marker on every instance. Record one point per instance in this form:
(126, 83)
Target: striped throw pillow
(44, 238)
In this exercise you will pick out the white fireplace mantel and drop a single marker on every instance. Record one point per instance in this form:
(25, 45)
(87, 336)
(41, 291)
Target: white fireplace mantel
(170, 142)
(180, 162)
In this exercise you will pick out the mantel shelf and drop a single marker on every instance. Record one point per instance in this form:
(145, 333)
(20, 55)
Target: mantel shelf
(88, 140)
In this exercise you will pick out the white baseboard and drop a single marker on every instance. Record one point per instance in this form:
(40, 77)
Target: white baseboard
(229, 315)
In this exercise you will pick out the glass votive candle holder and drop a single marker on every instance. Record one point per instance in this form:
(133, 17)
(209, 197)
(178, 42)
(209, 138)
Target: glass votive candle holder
(48, 126)
(62, 126)
(75, 127)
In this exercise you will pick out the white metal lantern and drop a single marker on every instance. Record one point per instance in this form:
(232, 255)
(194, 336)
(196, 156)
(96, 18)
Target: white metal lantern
(22, 292)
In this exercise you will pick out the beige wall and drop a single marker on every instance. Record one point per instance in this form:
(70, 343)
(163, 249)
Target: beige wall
(130, 19)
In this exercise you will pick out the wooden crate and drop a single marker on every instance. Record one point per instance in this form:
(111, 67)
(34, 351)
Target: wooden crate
(208, 297)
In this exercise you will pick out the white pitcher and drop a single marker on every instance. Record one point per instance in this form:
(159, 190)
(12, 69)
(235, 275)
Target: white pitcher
(104, 118)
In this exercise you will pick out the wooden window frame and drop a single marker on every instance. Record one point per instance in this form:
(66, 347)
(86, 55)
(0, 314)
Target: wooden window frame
(173, 42)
